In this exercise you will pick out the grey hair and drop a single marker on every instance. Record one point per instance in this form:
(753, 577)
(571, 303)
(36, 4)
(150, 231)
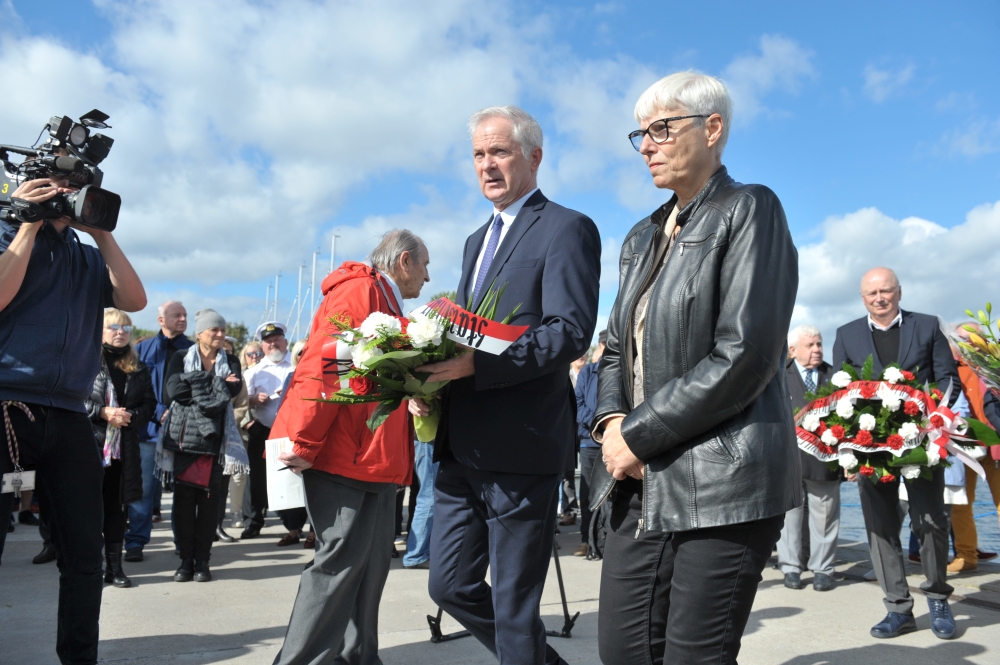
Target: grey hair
(525, 130)
(802, 331)
(692, 91)
(391, 246)
(162, 309)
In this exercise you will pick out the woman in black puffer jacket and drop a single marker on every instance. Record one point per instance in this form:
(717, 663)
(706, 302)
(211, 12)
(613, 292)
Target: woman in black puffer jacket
(120, 405)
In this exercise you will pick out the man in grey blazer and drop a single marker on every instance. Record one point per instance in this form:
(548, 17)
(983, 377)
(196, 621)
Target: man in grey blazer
(914, 341)
(805, 372)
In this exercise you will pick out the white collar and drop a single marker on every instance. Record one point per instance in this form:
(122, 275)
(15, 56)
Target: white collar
(896, 321)
(265, 361)
(395, 289)
(510, 212)
(802, 370)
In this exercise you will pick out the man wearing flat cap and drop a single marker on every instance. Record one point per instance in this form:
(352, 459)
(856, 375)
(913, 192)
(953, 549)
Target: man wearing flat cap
(264, 381)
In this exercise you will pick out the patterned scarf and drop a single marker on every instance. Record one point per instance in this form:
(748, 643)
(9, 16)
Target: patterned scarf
(113, 433)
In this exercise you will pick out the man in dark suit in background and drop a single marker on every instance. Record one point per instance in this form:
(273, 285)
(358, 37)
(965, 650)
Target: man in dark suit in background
(805, 371)
(914, 341)
(508, 426)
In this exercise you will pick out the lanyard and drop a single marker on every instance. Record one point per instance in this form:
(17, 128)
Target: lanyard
(15, 450)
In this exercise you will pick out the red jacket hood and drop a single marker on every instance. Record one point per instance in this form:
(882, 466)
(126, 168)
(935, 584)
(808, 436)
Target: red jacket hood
(348, 270)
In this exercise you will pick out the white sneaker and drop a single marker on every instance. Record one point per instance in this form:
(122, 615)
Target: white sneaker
(400, 541)
(870, 576)
(237, 521)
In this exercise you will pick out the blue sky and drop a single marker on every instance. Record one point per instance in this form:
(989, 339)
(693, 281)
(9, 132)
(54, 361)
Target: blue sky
(247, 133)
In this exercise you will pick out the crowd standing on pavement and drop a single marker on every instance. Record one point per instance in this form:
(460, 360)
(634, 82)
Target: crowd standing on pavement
(580, 434)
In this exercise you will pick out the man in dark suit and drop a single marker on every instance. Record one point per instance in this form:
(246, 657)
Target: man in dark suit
(508, 426)
(914, 341)
(805, 371)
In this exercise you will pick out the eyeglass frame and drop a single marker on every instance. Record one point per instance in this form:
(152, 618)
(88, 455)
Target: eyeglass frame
(254, 354)
(115, 327)
(666, 125)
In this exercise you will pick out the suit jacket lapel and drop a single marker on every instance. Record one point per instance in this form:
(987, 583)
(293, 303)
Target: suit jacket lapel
(468, 281)
(905, 337)
(529, 214)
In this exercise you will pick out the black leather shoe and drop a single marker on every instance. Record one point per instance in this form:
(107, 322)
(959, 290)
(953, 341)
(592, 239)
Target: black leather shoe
(893, 625)
(793, 581)
(250, 532)
(113, 572)
(822, 582)
(186, 572)
(942, 622)
(220, 534)
(133, 555)
(27, 517)
(47, 554)
(201, 572)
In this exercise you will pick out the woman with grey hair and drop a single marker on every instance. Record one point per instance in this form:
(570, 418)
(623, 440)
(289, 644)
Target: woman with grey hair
(693, 412)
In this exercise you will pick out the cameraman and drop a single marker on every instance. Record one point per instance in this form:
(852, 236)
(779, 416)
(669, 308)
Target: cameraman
(53, 291)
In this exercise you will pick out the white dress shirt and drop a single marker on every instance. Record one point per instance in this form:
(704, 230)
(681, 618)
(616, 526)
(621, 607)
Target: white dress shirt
(508, 215)
(811, 373)
(267, 377)
(895, 322)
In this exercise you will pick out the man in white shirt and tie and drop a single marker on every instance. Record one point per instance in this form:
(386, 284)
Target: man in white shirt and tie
(805, 372)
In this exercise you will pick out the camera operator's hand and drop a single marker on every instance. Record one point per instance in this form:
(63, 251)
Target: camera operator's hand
(43, 189)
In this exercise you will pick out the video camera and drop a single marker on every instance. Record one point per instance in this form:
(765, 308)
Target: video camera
(71, 152)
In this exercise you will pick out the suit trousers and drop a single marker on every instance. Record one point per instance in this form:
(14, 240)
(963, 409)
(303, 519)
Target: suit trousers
(823, 500)
(335, 616)
(257, 435)
(681, 597)
(504, 522)
(962, 521)
(928, 519)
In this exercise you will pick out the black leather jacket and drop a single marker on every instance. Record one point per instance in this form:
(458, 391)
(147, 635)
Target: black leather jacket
(715, 431)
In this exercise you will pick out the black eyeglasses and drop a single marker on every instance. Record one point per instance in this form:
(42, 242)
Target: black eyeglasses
(114, 327)
(658, 130)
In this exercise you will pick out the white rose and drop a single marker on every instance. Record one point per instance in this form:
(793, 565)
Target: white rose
(909, 431)
(866, 421)
(841, 379)
(828, 438)
(848, 461)
(891, 401)
(810, 423)
(425, 331)
(376, 320)
(892, 375)
(910, 471)
(360, 355)
(845, 408)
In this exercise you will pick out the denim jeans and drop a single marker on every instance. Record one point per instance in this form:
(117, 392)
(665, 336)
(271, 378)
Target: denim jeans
(418, 541)
(140, 513)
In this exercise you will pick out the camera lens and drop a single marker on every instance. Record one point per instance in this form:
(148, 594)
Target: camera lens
(95, 207)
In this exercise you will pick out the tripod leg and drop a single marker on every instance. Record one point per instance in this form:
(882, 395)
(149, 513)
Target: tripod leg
(435, 625)
(567, 628)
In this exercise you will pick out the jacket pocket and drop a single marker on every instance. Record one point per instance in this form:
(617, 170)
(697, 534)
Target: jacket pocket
(523, 263)
(720, 448)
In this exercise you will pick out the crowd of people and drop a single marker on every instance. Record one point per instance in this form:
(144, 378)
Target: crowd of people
(678, 422)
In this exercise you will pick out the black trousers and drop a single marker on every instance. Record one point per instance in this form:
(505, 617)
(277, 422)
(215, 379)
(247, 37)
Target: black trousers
(115, 515)
(196, 516)
(680, 597)
(257, 435)
(61, 448)
(588, 456)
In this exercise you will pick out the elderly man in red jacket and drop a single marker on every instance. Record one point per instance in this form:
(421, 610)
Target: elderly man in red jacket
(350, 474)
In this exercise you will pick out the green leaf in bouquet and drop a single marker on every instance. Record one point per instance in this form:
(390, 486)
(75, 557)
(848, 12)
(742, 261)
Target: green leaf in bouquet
(866, 369)
(385, 382)
(982, 432)
(849, 368)
(916, 456)
(381, 413)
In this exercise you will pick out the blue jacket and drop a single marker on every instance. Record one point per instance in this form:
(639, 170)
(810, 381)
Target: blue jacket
(586, 403)
(153, 352)
(50, 333)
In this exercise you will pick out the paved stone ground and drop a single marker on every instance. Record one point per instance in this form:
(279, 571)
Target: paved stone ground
(240, 617)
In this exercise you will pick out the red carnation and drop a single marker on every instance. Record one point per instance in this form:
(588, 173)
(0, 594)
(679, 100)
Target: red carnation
(936, 394)
(887, 478)
(911, 408)
(866, 471)
(868, 390)
(864, 438)
(937, 422)
(909, 376)
(837, 431)
(895, 441)
(821, 428)
(362, 385)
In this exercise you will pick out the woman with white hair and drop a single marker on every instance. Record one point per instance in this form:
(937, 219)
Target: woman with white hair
(693, 413)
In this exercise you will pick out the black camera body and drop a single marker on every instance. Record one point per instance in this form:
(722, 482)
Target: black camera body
(71, 152)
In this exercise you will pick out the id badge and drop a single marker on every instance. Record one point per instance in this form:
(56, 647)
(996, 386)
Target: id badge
(17, 482)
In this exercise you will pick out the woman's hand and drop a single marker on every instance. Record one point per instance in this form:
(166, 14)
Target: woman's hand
(618, 458)
(116, 416)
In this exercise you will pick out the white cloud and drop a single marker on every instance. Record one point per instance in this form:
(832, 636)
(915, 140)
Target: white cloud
(980, 137)
(881, 84)
(782, 65)
(943, 271)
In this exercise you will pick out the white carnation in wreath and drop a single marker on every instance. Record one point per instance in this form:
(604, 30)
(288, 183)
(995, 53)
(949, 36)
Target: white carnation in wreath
(845, 408)
(933, 455)
(910, 471)
(892, 375)
(829, 438)
(810, 423)
(866, 421)
(841, 379)
(359, 354)
(909, 431)
(425, 331)
(380, 321)
(891, 401)
(847, 460)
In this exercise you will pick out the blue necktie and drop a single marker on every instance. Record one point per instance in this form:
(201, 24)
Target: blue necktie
(809, 381)
(491, 250)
